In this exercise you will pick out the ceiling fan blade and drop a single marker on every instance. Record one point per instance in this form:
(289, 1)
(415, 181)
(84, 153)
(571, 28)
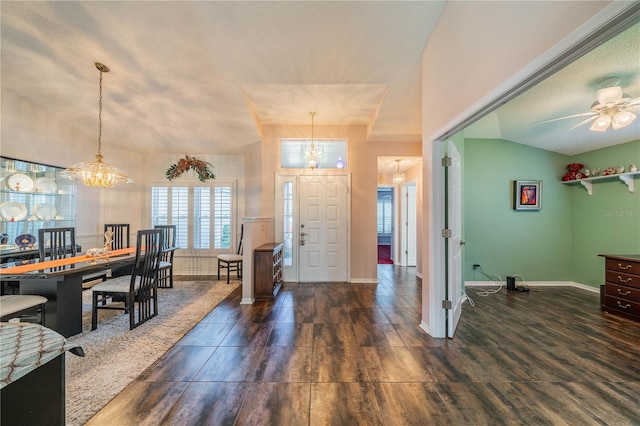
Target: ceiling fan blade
(583, 122)
(584, 114)
(632, 102)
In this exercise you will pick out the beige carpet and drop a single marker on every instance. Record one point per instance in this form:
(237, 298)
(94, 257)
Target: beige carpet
(115, 355)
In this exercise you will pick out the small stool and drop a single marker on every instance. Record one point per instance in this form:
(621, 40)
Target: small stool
(11, 305)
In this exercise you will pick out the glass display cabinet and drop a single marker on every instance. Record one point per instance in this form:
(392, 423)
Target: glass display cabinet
(32, 196)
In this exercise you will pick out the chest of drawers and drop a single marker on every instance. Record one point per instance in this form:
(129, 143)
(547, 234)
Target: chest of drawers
(622, 286)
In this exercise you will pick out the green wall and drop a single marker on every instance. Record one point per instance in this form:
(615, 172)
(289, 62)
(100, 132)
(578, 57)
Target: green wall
(561, 242)
(607, 221)
(533, 244)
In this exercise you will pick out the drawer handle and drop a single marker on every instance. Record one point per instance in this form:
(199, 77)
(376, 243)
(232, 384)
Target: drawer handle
(623, 306)
(626, 293)
(623, 280)
(624, 268)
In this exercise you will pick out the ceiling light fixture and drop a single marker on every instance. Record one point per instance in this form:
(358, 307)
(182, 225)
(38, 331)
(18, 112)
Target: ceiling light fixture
(97, 173)
(398, 178)
(312, 153)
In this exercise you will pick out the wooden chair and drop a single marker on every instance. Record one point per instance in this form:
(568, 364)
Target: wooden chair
(57, 243)
(138, 291)
(165, 270)
(19, 306)
(232, 262)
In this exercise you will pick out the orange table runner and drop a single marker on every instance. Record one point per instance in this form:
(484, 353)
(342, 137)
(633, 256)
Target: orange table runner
(47, 264)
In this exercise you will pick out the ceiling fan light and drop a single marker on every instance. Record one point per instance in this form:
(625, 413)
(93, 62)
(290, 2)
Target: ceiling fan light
(622, 119)
(601, 124)
(609, 96)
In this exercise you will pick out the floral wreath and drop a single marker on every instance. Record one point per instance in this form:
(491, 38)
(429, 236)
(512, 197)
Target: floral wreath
(187, 163)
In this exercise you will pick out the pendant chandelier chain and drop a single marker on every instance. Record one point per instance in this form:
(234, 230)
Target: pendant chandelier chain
(100, 116)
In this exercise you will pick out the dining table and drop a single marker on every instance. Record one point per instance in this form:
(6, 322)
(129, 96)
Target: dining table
(60, 281)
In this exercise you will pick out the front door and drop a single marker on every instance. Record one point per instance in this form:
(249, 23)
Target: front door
(312, 218)
(323, 228)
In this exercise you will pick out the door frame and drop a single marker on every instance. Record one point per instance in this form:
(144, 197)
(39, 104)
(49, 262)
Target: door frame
(294, 175)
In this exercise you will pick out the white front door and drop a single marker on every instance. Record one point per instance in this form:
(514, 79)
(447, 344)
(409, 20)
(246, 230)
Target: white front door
(322, 228)
(313, 208)
(454, 223)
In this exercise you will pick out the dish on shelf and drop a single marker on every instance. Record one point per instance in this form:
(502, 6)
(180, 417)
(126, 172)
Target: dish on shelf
(4, 239)
(46, 185)
(20, 182)
(13, 211)
(25, 240)
(44, 211)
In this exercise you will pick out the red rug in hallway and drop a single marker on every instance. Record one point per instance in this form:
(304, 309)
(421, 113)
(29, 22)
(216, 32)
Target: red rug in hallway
(384, 255)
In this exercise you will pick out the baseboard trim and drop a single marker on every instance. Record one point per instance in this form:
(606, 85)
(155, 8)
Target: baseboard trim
(247, 301)
(425, 327)
(534, 284)
(363, 281)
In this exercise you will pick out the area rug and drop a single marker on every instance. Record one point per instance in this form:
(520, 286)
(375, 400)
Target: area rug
(115, 355)
(384, 255)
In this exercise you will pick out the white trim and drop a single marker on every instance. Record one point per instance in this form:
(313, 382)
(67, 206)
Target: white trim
(534, 284)
(425, 327)
(557, 57)
(247, 301)
(363, 281)
(437, 270)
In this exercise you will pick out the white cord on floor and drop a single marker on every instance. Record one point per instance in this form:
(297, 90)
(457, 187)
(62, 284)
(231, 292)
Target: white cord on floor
(496, 278)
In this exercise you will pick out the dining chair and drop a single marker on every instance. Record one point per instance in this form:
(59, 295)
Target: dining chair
(120, 235)
(138, 291)
(165, 270)
(56, 243)
(19, 306)
(120, 240)
(232, 262)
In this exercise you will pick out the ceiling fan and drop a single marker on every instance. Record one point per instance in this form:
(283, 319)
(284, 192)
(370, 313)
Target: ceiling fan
(610, 110)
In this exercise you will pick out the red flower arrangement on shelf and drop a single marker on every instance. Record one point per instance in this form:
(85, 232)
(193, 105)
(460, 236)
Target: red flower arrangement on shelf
(574, 172)
(190, 163)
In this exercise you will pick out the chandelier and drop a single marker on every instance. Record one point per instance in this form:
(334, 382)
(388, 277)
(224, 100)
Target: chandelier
(97, 173)
(312, 153)
(398, 178)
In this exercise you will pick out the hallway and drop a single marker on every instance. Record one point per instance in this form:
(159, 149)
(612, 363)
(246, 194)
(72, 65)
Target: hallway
(345, 354)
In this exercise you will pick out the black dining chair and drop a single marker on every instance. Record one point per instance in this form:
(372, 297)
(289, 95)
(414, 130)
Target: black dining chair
(23, 306)
(136, 293)
(56, 243)
(232, 262)
(165, 270)
(120, 235)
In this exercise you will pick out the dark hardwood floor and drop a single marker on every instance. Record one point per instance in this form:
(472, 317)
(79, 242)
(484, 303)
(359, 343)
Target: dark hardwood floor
(353, 354)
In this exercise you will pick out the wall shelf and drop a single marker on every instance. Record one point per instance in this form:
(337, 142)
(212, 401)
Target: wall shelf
(628, 178)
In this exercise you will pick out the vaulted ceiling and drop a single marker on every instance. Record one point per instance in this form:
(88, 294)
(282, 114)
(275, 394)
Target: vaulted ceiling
(202, 77)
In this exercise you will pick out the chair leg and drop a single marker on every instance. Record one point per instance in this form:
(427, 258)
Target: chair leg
(171, 276)
(228, 272)
(94, 311)
(218, 269)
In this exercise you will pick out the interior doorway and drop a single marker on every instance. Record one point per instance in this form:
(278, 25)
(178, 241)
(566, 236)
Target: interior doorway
(397, 210)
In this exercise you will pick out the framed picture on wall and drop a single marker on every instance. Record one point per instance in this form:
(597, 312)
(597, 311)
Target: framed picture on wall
(527, 194)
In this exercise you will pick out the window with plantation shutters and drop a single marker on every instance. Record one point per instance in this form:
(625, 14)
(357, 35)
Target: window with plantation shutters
(385, 213)
(203, 215)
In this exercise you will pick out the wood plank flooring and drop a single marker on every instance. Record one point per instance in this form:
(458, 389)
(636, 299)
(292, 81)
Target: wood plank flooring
(353, 354)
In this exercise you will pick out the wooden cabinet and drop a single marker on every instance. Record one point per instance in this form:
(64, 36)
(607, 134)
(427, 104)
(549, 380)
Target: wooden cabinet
(621, 294)
(267, 269)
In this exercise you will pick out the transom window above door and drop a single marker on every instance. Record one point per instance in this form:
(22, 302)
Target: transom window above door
(334, 153)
